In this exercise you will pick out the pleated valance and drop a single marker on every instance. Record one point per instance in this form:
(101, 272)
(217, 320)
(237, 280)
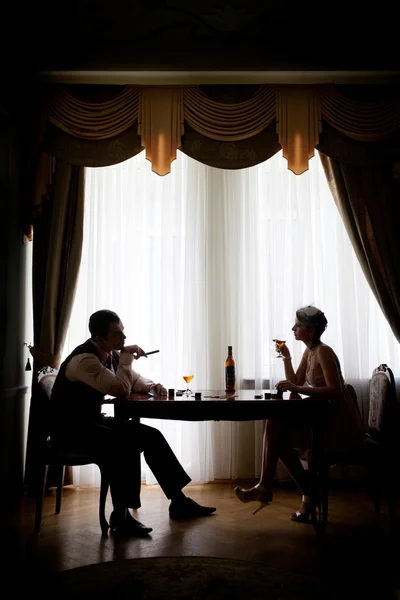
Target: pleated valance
(94, 120)
(229, 122)
(363, 121)
(161, 112)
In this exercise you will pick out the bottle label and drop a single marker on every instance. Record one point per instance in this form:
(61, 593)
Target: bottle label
(230, 380)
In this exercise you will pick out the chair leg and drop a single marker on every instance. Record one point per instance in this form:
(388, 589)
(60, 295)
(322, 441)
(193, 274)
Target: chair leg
(373, 482)
(323, 498)
(60, 482)
(376, 501)
(42, 478)
(390, 484)
(324, 503)
(102, 505)
(392, 512)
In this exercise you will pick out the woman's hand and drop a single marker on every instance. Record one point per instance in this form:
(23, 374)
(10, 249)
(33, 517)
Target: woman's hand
(287, 386)
(283, 351)
(137, 351)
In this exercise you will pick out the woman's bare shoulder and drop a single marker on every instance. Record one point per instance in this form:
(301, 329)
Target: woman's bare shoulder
(325, 350)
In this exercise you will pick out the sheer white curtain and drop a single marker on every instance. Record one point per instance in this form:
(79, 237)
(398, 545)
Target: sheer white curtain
(203, 258)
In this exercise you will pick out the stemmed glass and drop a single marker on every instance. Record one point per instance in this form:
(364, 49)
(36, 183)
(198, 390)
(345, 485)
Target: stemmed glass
(188, 376)
(280, 344)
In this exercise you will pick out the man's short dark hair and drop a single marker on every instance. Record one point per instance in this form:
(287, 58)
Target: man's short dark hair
(99, 322)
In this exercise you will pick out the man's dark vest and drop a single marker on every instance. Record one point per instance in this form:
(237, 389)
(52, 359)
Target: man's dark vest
(74, 403)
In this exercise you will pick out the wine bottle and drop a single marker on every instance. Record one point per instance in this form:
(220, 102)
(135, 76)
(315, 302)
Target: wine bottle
(230, 376)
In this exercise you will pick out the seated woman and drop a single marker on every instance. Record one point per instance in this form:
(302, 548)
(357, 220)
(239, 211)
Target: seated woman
(318, 375)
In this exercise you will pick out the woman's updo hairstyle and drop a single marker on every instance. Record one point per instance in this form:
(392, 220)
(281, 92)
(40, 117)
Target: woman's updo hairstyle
(311, 316)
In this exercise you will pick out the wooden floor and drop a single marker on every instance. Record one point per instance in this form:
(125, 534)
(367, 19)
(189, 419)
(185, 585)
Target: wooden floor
(358, 549)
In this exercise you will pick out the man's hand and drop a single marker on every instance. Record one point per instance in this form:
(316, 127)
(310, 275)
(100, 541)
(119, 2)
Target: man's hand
(158, 390)
(137, 351)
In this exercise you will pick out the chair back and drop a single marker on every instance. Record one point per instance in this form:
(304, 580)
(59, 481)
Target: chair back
(45, 381)
(382, 415)
(353, 395)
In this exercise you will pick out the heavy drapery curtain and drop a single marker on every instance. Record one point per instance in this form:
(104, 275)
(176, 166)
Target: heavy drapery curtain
(368, 199)
(208, 257)
(56, 261)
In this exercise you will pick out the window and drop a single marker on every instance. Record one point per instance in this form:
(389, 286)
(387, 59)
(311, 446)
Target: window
(204, 258)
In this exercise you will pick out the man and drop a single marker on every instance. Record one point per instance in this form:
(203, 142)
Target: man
(103, 365)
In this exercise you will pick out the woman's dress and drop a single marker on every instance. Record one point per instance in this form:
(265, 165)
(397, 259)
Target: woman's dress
(344, 430)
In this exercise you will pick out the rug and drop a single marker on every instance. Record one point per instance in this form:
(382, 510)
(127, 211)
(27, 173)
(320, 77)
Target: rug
(189, 578)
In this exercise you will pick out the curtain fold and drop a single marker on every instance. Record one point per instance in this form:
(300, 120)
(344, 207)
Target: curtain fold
(60, 261)
(57, 247)
(94, 120)
(241, 154)
(363, 121)
(229, 122)
(368, 199)
(298, 116)
(160, 126)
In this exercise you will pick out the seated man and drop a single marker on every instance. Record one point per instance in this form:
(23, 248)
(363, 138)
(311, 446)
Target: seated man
(103, 365)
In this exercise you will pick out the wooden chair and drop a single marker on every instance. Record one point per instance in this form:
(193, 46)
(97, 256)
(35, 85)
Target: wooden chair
(58, 459)
(379, 451)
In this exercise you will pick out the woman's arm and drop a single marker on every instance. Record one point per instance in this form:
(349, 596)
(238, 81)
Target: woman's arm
(298, 377)
(328, 361)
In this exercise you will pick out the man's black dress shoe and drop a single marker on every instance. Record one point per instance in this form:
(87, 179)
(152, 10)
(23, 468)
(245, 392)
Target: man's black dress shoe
(189, 509)
(128, 528)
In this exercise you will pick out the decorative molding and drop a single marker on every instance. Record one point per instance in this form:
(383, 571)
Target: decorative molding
(201, 77)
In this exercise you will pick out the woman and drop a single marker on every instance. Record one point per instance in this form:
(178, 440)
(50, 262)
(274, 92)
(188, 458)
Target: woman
(318, 375)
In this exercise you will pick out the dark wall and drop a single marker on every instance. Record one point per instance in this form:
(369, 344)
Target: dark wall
(193, 35)
(13, 252)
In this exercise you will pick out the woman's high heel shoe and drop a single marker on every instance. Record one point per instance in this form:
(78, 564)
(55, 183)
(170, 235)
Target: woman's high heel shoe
(256, 494)
(302, 517)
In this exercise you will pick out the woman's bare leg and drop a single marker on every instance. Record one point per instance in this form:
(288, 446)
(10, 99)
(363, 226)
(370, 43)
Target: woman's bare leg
(277, 445)
(300, 476)
(271, 446)
(272, 442)
(293, 465)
